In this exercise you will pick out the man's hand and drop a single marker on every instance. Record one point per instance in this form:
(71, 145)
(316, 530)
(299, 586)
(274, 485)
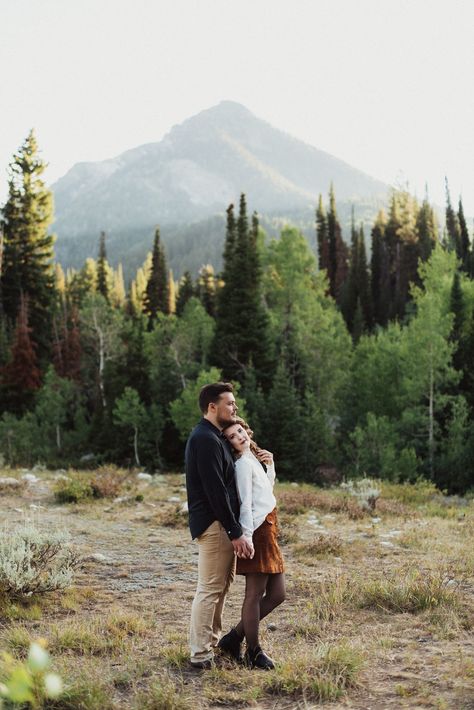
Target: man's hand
(243, 547)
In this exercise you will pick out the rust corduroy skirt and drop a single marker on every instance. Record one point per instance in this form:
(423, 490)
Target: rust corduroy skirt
(268, 558)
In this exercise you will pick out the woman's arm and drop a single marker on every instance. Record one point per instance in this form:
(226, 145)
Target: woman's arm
(243, 479)
(266, 457)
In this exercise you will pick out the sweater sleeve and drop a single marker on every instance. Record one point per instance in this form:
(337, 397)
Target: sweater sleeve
(271, 473)
(243, 478)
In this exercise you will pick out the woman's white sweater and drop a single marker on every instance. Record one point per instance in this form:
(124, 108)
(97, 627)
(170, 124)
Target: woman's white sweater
(255, 489)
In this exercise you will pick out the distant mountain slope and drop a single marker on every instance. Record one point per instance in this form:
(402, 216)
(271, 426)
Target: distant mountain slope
(192, 174)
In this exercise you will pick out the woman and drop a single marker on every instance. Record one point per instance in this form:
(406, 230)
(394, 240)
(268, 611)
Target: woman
(264, 573)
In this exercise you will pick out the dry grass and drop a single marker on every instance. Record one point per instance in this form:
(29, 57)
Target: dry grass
(322, 545)
(387, 624)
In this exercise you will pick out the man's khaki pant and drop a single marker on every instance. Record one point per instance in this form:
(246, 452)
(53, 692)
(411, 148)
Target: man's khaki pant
(216, 571)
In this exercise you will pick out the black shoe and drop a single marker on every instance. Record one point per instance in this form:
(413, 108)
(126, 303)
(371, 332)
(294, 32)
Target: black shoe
(256, 658)
(230, 644)
(202, 665)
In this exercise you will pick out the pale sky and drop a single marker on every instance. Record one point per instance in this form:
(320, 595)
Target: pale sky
(385, 85)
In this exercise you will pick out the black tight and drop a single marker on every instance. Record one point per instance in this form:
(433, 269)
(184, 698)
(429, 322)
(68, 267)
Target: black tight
(263, 593)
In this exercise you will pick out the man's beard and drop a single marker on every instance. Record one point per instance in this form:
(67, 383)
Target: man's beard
(226, 422)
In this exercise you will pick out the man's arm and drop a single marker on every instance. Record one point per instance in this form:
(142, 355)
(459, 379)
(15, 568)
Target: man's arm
(210, 463)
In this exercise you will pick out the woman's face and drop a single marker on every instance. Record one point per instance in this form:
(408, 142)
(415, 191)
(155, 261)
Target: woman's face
(237, 438)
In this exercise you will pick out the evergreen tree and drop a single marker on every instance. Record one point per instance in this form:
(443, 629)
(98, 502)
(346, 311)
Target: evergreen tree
(185, 292)
(427, 230)
(379, 268)
(242, 325)
(453, 232)
(102, 269)
(27, 268)
(464, 241)
(322, 236)
(206, 288)
(157, 289)
(338, 252)
(20, 377)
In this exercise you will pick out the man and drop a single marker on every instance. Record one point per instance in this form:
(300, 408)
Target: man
(213, 517)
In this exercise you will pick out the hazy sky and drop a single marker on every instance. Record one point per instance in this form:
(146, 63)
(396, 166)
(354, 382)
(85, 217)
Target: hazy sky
(386, 85)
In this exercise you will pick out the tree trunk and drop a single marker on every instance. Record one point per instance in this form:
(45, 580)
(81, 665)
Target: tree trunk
(135, 445)
(58, 437)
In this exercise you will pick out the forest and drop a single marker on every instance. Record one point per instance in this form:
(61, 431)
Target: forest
(352, 361)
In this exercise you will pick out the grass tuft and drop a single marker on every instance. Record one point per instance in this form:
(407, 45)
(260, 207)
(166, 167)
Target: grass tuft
(321, 675)
(320, 546)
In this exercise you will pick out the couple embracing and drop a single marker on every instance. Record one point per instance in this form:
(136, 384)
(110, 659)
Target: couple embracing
(232, 517)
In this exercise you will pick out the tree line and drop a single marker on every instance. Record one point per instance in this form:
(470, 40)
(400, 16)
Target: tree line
(342, 362)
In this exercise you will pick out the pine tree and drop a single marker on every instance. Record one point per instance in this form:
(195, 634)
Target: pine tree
(453, 232)
(464, 241)
(157, 289)
(338, 252)
(27, 269)
(242, 326)
(206, 288)
(102, 268)
(185, 292)
(379, 269)
(322, 236)
(427, 230)
(20, 377)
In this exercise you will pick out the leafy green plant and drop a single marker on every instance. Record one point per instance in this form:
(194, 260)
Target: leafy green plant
(28, 681)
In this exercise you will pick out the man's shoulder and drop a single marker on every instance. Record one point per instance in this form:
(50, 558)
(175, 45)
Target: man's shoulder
(203, 432)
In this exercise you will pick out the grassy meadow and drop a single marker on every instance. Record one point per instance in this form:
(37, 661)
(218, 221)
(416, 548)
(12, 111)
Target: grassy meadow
(379, 610)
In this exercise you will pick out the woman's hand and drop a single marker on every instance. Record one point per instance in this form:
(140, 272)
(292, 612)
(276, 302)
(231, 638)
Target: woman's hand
(265, 457)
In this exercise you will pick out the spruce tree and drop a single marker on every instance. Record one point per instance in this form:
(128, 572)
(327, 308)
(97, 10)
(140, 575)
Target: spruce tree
(453, 232)
(379, 271)
(322, 236)
(102, 269)
(465, 243)
(206, 288)
(427, 230)
(27, 268)
(242, 326)
(157, 289)
(185, 292)
(338, 252)
(20, 377)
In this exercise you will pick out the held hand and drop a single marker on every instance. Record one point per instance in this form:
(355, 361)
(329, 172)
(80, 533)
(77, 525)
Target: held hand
(265, 457)
(243, 547)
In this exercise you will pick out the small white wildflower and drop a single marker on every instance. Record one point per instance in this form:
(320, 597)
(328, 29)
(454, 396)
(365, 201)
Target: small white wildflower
(38, 658)
(53, 685)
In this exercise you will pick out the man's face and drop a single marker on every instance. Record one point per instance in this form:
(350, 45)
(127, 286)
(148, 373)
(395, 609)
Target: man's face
(225, 409)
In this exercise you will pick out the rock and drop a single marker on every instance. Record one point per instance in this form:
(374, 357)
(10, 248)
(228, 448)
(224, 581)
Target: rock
(295, 485)
(18, 510)
(338, 559)
(39, 467)
(174, 499)
(29, 478)
(386, 543)
(272, 627)
(9, 483)
(142, 476)
(184, 507)
(33, 506)
(98, 557)
(375, 521)
(61, 477)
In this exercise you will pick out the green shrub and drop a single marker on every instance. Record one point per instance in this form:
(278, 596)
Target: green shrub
(72, 490)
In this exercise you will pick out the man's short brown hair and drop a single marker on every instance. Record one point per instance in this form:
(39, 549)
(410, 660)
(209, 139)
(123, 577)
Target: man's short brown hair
(211, 393)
